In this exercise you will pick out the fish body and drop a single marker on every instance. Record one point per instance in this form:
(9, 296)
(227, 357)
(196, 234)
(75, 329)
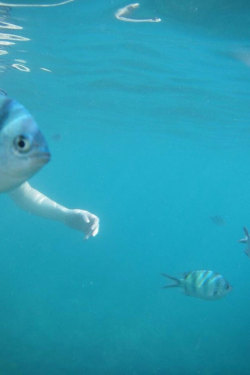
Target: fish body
(23, 149)
(203, 284)
(246, 240)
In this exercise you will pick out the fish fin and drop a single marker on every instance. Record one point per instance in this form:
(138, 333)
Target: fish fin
(243, 240)
(246, 232)
(247, 252)
(2, 92)
(177, 281)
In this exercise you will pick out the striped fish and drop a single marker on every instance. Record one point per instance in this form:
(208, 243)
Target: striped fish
(23, 149)
(203, 284)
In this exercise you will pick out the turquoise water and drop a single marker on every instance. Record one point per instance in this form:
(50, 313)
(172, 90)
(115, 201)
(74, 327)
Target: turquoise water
(148, 125)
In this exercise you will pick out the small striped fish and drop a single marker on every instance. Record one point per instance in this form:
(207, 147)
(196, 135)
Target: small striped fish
(23, 149)
(201, 284)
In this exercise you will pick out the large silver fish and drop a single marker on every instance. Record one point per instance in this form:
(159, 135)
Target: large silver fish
(202, 284)
(23, 149)
(246, 240)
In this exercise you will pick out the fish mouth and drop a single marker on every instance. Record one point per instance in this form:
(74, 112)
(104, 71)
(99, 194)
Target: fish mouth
(42, 157)
(46, 156)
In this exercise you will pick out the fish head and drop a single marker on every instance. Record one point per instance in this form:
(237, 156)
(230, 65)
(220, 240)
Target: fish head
(23, 149)
(222, 288)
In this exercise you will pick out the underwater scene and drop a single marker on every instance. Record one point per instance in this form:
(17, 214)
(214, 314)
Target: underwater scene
(127, 252)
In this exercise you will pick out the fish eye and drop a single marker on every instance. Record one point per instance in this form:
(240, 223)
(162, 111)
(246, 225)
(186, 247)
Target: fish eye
(22, 143)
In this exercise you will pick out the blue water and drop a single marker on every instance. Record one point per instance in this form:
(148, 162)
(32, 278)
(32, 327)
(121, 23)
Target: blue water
(149, 128)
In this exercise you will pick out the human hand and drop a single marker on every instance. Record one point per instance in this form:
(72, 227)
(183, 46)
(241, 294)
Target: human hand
(83, 221)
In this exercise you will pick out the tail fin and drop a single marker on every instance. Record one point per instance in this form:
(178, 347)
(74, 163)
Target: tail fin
(177, 281)
(246, 232)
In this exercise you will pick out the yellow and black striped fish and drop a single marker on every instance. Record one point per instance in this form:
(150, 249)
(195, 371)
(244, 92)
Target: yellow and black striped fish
(203, 284)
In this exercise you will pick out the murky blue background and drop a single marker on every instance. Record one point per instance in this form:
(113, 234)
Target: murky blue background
(149, 128)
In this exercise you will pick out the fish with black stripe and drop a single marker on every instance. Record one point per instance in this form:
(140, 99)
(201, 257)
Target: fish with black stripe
(203, 284)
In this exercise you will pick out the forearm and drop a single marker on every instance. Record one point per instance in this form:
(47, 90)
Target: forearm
(33, 201)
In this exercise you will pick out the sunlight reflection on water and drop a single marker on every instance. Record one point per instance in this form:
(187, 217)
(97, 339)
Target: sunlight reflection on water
(9, 39)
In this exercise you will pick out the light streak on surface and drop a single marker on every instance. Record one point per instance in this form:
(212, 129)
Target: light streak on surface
(7, 25)
(13, 37)
(21, 67)
(120, 13)
(36, 5)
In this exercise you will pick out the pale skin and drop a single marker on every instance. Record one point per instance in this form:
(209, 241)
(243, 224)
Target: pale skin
(31, 200)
